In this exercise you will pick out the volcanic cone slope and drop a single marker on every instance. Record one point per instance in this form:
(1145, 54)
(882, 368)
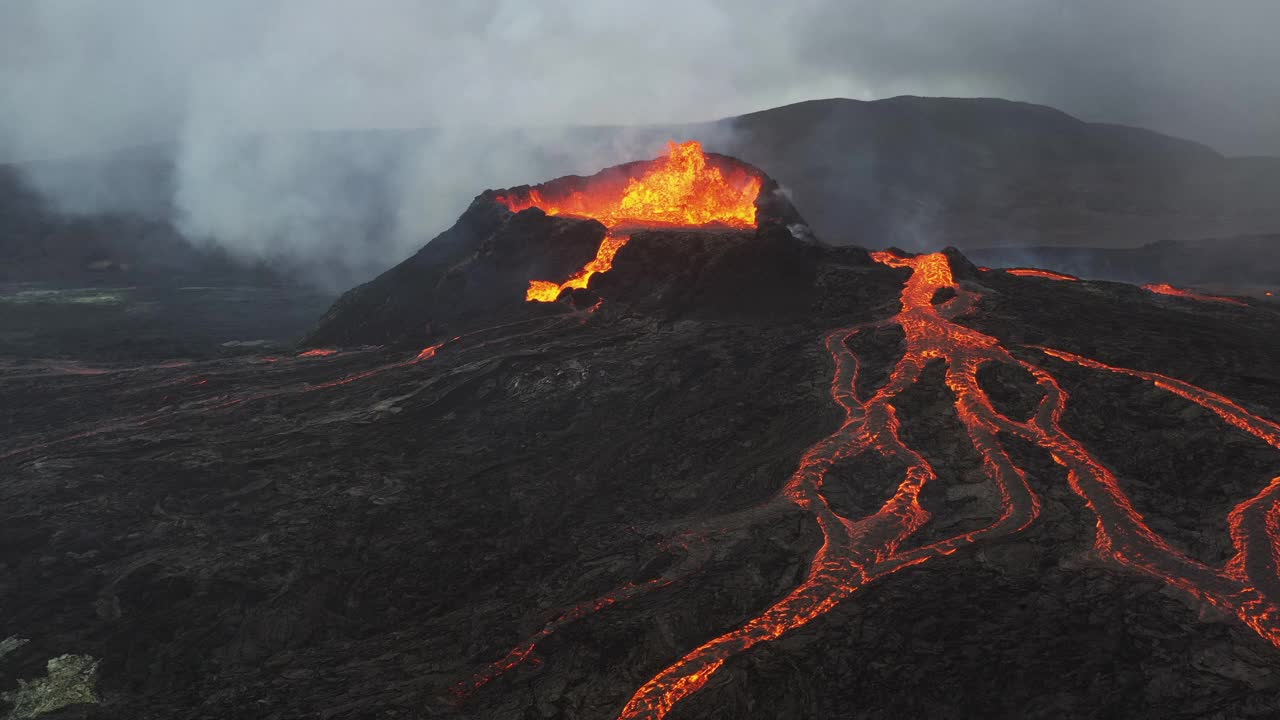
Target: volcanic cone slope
(480, 269)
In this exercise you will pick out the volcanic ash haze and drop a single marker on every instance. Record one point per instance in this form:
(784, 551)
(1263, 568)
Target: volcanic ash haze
(246, 129)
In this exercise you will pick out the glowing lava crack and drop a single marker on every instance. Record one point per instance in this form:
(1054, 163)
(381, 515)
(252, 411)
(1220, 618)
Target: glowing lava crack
(1167, 289)
(679, 190)
(1043, 274)
(857, 551)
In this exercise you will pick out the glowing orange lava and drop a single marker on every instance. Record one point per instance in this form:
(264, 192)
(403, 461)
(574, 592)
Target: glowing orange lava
(679, 190)
(544, 291)
(523, 652)
(318, 352)
(1166, 289)
(1038, 273)
(857, 551)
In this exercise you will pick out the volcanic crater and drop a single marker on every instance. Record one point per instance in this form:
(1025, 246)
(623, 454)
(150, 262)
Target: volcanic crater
(555, 241)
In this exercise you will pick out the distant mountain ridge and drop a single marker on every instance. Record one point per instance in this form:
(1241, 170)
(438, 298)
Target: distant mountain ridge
(1244, 264)
(926, 172)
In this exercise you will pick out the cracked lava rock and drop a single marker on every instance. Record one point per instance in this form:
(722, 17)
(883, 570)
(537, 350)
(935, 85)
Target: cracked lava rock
(740, 473)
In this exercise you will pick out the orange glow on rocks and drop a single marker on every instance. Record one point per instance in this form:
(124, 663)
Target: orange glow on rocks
(544, 291)
(429, 352)
(856, 551)
(1038, 273)
(318, 352)
(1166, 289)
(679, 190)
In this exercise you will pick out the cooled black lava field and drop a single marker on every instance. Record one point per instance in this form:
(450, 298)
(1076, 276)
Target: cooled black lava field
(740, 474)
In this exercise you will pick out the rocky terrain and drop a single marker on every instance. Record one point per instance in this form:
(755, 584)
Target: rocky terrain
(459, 504)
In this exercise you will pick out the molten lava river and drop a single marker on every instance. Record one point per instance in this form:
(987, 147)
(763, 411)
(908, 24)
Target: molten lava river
(856, 551)
(679, 190)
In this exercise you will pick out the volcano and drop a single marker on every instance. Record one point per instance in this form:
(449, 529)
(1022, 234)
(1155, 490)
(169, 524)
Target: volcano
(502, 252)
(640, 445)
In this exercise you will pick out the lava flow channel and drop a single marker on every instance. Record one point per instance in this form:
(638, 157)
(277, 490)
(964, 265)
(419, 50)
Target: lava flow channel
(855, 552)
(1038, 273)
(679, 190)
(1167, 289)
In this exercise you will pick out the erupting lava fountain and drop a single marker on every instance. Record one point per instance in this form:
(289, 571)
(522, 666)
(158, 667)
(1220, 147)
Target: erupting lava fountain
(679, 190)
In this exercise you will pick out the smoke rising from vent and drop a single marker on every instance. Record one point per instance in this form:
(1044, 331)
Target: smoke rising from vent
(257, 96)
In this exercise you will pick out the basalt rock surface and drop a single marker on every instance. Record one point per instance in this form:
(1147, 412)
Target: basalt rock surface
(355, 534)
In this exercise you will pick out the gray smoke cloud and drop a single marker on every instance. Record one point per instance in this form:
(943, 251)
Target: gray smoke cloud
(257, 96)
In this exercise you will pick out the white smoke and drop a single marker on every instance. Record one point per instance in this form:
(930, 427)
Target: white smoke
(252, 103)
(255, 95)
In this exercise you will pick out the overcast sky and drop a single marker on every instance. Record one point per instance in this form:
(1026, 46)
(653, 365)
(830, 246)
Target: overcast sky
(86, 74)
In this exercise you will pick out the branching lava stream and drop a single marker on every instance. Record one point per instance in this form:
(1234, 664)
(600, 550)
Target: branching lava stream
(857, 551)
